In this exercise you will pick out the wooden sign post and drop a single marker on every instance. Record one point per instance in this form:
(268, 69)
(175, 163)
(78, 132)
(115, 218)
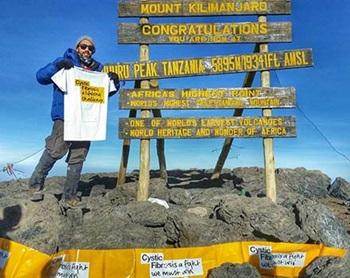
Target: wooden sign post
(265, 97)
(269, 158)
(126, 142)
(125, 155)
(142, 191)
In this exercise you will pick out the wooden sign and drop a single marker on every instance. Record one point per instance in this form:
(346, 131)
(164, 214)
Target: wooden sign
(222, 98)
(189, 128)
(181, 33)
(139, 8)
(212, 65)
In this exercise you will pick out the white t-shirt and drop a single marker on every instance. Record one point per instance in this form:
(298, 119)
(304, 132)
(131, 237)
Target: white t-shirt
(85, 103)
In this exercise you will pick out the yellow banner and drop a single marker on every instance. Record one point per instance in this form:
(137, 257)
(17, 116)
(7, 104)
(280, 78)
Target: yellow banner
(18, 261)
(270, 258)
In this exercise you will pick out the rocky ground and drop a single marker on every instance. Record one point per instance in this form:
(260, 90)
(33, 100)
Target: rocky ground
(311, 208)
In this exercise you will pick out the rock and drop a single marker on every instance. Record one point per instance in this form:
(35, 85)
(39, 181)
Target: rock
(325, 267)
(320, 224)
(180, 196)
(119, 197)
(224, 171)
(310, 183)
(229, 270)
(37, 225)
(299, 180)
(54, 185)
(187, 229)
(209, 197)
(288, 199)
(250, 179)
(118, 232)
(158, 189)
(147, 214)
(199, 211)
(13, 191)
(261, 218)
(340, 188)
(97, 190)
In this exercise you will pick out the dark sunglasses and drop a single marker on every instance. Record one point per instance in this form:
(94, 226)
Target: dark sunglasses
(84, 46)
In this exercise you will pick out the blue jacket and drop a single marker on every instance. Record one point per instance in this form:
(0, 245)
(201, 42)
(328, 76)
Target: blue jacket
(44, 77)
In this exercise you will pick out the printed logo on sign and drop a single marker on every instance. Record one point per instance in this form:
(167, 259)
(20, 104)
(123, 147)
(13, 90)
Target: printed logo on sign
(268, 261)
(73, 270)
(256, 249)
(147, 258)
(4, 255)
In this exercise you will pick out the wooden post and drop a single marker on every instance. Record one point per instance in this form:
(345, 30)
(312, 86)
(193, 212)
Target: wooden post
(160, 150)
(126, 143)
(248, 81)
(144, 177)
(126, 148)
(269, 160)
(125, 155)
(154, 84)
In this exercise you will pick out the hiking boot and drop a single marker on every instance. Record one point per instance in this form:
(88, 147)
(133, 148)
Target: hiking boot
(72, 203)
(36, 193)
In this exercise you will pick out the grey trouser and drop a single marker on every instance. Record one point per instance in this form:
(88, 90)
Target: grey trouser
(55, 149)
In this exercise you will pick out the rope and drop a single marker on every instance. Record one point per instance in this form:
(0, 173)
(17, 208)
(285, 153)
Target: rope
(29, 156)
(316, 127)
(322, 135)
(10, 170)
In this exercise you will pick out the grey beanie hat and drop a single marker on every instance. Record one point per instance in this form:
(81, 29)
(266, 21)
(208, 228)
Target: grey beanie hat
(84, 38)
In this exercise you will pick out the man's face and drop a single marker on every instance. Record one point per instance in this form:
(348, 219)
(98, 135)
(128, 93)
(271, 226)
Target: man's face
(85, 49)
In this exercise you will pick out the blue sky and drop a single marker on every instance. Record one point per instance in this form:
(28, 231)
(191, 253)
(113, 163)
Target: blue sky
(34, 33)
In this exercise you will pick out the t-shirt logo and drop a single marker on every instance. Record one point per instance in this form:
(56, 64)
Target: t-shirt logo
(90, 93)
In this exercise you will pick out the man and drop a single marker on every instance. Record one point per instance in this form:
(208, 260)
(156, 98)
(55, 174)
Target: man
(56, 147)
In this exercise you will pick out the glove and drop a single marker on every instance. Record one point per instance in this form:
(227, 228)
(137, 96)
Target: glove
(115, 78)
(67, 64)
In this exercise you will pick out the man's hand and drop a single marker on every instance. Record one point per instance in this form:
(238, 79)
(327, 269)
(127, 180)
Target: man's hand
(115, 78)
(65, 63)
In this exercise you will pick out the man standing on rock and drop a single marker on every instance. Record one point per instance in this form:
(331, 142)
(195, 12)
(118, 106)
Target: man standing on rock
(56, 146)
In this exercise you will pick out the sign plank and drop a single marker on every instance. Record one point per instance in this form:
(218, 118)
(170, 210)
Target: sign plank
(139, 8)
(202, 33)
(212, 65)
(190, 128)
(218, 98)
